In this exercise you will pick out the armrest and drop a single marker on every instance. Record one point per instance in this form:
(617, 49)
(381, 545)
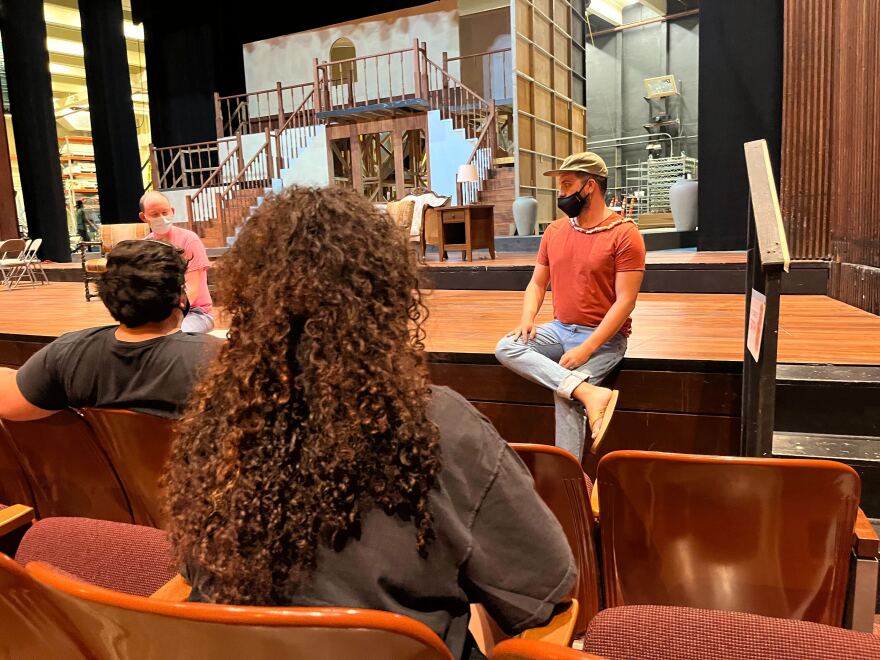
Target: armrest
(594, 501)
(866, 544)
(15, 516)
(176, 590)
(560, 629)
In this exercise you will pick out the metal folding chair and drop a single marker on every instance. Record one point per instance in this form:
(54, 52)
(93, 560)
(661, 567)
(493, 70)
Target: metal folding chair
(13, 267)
(33, 263)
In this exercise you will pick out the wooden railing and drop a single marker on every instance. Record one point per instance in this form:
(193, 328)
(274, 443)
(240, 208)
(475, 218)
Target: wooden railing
(467, 109)
(186, 165)
(482, 157)
(491, 72)
(391, 77)
(202, 207)
(253, 112)
(295, 132)
(234, 201)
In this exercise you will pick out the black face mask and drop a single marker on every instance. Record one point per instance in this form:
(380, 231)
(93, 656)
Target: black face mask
(573, 204)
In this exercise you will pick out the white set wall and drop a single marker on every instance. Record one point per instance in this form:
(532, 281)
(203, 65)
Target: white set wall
(289, 59)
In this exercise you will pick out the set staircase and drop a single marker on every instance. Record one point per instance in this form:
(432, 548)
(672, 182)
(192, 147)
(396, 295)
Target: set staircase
(261, 135)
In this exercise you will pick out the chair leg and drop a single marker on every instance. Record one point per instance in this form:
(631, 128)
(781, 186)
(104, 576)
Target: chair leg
(862, 595)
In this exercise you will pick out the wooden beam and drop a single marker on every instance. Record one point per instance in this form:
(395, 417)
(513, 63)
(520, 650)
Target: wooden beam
(770, 231)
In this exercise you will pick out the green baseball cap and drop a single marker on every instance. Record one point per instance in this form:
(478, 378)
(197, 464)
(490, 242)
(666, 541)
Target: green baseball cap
(585, 162)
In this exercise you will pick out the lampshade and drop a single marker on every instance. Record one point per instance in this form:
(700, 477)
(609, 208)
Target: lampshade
(467, 174)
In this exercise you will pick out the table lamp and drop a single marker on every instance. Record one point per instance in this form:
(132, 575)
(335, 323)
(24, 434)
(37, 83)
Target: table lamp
(466, 174)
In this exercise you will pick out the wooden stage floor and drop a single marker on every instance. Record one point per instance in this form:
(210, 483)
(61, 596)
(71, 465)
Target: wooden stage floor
(687, 327)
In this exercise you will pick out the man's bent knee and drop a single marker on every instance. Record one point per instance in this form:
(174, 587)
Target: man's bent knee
(507, 348)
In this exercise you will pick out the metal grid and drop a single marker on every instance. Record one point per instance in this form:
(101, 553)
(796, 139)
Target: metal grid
(661, 174)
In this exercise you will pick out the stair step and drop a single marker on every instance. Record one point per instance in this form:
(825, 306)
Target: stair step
(828, 399)
(862, 453)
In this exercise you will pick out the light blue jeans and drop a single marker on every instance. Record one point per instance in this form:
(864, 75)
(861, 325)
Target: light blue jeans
(198, 321)
(538, 361)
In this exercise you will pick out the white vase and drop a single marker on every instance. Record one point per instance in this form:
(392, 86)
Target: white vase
(525, 215)
(683, 204)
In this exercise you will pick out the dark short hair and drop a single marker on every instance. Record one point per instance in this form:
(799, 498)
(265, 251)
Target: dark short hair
(601, 181)
(142, 282)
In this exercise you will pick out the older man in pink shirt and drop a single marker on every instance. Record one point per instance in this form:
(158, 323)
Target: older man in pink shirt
(157, 211)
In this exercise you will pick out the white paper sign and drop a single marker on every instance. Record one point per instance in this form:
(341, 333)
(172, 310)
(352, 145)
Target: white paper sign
(756, 323)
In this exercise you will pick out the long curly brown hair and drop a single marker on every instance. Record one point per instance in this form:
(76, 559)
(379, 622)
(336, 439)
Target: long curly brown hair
(315, 410)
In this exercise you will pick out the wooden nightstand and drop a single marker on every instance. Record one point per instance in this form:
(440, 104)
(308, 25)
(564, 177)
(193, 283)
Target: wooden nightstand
(467, 228)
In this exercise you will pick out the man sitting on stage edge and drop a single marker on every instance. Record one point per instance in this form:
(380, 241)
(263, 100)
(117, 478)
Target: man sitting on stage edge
(145, 363)
(157, 212)
(595, 261)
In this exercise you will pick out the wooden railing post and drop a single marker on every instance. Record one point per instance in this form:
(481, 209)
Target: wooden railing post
(239, 152)
(423, 68)
(280, 105)
(218, 115)
(154, 167)
(319, 92)
(268, 147)
(218, 212)
(417, 74)
(189, 212)
(492, 119)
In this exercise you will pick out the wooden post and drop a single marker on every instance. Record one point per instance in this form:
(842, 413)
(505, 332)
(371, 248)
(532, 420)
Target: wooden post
(492, 134)
(238, 152)
(218, 205)
(417, 75)
(269, 172)
(154, 167)
(319, 92)
(189, 212)
(280, 105)
(423, 67)
(218, 115)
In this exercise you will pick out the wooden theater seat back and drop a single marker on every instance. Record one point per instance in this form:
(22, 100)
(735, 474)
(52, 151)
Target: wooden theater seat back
(67, 471)
(31, 626)
(138, 447)
(759, 535)
(565, 489)
(145, 628)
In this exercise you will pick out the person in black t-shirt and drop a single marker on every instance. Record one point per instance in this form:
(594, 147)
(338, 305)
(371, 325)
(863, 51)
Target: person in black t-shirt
(317, 467)
(145, 363)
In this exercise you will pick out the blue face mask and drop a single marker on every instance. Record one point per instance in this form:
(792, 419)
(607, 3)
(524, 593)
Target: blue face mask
(573, 204)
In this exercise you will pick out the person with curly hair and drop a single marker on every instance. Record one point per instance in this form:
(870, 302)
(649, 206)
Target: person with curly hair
(317, 467)
(145, 363)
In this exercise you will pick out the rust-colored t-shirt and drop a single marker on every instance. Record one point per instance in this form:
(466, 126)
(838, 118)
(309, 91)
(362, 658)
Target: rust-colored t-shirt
(583, 268)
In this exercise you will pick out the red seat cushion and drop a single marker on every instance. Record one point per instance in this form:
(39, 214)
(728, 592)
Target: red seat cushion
(129, 558)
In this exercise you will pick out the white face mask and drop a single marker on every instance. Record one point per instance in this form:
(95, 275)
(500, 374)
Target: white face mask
(161, 225)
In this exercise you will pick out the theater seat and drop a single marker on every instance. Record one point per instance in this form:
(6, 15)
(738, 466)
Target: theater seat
(695, 634)
(31, 626)
(645, 631)
(67, 472)
(131, 559)
(145, 628)
(565, 489)
(138, 447)
(767, 536)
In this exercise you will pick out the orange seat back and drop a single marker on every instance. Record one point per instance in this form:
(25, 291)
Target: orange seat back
(14, 486)
(562, 484)
(30, 624)
(759, 535)
(144, 628)
(138, 447)
(68, 472)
